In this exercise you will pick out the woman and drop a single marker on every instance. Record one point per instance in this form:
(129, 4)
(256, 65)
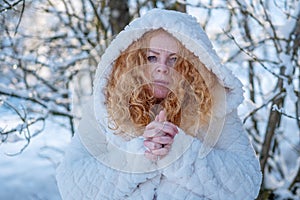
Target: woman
(164, 122)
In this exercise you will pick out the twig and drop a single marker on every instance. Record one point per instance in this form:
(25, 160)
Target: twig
(263, 105)
(20, 18)
(22, 128)
(254, 57)
(283, 113)
(11, 93)
(10, 6)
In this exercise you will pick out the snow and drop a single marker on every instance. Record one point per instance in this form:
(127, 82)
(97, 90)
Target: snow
(31, 174)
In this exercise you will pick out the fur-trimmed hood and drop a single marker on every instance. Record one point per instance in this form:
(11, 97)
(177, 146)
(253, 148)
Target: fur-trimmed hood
(188, 31)
(226, 96)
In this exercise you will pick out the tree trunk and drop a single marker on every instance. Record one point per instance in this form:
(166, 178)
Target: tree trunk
(119, 15)
(273, 123)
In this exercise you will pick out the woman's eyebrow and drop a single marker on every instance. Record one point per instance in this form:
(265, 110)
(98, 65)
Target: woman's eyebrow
(157, 53)
(152, 51)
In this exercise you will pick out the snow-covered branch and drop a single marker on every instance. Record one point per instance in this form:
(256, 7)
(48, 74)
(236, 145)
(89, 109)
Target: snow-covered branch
(24, 95)
(48, 67)
(265, 51)
(8, 6)
(23, 128)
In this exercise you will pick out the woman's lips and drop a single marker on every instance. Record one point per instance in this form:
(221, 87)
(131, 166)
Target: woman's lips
(161, 83)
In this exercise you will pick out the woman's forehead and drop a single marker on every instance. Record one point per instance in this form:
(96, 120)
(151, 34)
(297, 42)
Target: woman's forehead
(163, 41)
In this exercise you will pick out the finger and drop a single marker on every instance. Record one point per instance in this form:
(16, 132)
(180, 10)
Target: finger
(153, 133)
(159, 126)
(159, 129)
(162, 116)
(150, 156)
(153, 124)
(163, 140)
(169, 129)
(169, 124)
(168, 147)
(152, 145)
(160, 152)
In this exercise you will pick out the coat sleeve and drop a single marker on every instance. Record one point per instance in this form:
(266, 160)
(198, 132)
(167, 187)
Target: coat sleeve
(230, 171)
(98, 165)
(81, 176)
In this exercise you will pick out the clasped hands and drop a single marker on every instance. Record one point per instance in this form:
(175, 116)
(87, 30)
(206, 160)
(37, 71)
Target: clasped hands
(159, 136)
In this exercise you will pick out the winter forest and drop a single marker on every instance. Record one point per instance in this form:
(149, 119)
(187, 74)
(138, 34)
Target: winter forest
(49, 50)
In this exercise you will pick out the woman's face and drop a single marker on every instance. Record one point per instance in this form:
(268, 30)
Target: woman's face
(161, 58)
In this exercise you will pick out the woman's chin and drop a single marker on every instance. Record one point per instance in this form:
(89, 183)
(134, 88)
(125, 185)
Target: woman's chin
(160, 92)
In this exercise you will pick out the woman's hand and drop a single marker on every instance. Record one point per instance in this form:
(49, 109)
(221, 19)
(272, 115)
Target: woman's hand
(159, 135)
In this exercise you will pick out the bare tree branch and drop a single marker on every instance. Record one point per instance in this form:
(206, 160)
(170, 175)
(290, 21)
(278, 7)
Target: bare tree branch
(26, 96)
(20, 18)
(9, 6)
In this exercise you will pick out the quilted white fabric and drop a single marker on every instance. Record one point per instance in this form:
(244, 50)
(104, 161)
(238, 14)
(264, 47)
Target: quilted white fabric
(99, 165)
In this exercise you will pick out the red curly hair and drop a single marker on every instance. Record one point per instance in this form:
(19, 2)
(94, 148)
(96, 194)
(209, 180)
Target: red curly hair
(131, 105)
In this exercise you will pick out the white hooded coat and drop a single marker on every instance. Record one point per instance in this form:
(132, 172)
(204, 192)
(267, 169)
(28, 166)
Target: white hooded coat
(101, 165)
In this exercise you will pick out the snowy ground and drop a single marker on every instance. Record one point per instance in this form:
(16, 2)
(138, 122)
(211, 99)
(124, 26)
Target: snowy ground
(31, 174)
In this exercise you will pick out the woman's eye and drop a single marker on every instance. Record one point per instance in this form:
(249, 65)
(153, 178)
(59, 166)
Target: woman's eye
(152, 59)
(172, 60)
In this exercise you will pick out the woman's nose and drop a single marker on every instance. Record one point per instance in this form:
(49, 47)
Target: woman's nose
(162, 68)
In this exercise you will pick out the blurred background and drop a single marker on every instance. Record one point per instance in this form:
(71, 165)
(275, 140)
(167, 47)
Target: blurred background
(49, 50)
